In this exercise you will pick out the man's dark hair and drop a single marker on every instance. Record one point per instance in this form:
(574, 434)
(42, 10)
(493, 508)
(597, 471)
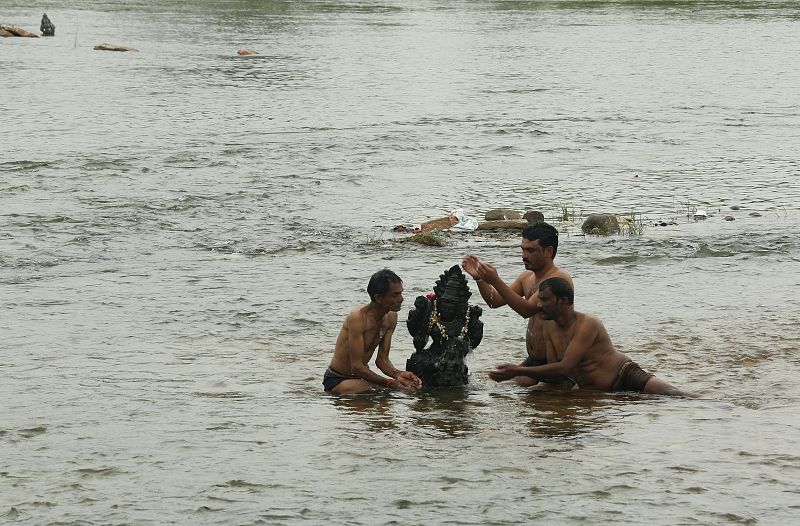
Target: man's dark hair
(545, 234)
(559, 287)
(380, 281)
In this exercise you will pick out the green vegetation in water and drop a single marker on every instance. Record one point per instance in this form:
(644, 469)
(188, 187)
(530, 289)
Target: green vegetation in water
(632, 224)
(567, 213)
(375, 238)
(434, 238)
(686, 209)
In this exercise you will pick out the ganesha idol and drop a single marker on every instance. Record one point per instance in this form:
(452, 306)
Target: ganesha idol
(453, 326)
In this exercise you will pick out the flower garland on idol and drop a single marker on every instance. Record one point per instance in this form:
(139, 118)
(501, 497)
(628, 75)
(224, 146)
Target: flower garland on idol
(435, 320)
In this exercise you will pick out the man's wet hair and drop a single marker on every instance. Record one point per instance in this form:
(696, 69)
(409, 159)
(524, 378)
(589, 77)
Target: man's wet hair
(559, 287)
(544, 233)
(380, 281)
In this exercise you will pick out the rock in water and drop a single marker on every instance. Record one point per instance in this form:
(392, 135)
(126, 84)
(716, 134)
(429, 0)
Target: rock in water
(600, 225)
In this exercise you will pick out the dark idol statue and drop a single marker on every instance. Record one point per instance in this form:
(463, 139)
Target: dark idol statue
(47, 27)
(454, 327)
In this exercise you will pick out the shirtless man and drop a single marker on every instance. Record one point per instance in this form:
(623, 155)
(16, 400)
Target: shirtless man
(582, 348)
(539, 247)
(366, 328)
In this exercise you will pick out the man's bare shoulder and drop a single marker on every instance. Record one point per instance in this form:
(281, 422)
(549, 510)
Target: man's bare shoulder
(559, 272)
(355, 319)
(525, 277)
(588, 321)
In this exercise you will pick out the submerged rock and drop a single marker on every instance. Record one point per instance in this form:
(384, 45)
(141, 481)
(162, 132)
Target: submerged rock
(600, 225)
(533, 217)
(246, 52)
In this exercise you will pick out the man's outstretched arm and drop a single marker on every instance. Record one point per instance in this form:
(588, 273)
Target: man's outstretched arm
(405, 379)
(513, 294)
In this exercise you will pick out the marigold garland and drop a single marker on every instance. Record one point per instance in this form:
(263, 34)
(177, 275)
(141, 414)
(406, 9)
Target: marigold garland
(435, 320)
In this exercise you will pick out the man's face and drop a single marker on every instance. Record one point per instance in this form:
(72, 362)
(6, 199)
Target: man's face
(548, 304)
(534, 256)
(393, 299)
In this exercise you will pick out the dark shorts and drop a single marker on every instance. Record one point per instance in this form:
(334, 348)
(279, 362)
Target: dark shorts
(631, 377)
(333, 378)
(534, 362)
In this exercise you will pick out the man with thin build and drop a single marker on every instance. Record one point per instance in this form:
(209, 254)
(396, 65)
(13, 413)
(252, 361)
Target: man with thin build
(365, 329)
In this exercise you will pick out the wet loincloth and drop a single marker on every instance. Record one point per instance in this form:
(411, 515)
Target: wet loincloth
(333, 378)
(631, 377)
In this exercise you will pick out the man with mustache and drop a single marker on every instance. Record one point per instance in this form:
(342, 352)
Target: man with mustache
(365, 329)
(539, 246)
(581, 347)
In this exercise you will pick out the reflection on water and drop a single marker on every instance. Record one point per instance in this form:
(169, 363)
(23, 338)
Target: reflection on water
(373, 409)
(446, 411)
(564, 415)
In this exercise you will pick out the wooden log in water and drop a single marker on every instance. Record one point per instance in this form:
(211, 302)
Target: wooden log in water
(113, 47)
(507, 224)
(17, 31)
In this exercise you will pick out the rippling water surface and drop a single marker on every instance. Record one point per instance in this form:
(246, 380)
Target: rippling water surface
(182, 231)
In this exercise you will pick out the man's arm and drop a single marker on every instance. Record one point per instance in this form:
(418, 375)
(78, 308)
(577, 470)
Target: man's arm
(471, 265)
(405, 379)
(382, 360)
(576, 350)
(355, 344)
(507, 371)
(513, 295)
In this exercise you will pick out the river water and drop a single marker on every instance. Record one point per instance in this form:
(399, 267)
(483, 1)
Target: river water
(182, 231)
